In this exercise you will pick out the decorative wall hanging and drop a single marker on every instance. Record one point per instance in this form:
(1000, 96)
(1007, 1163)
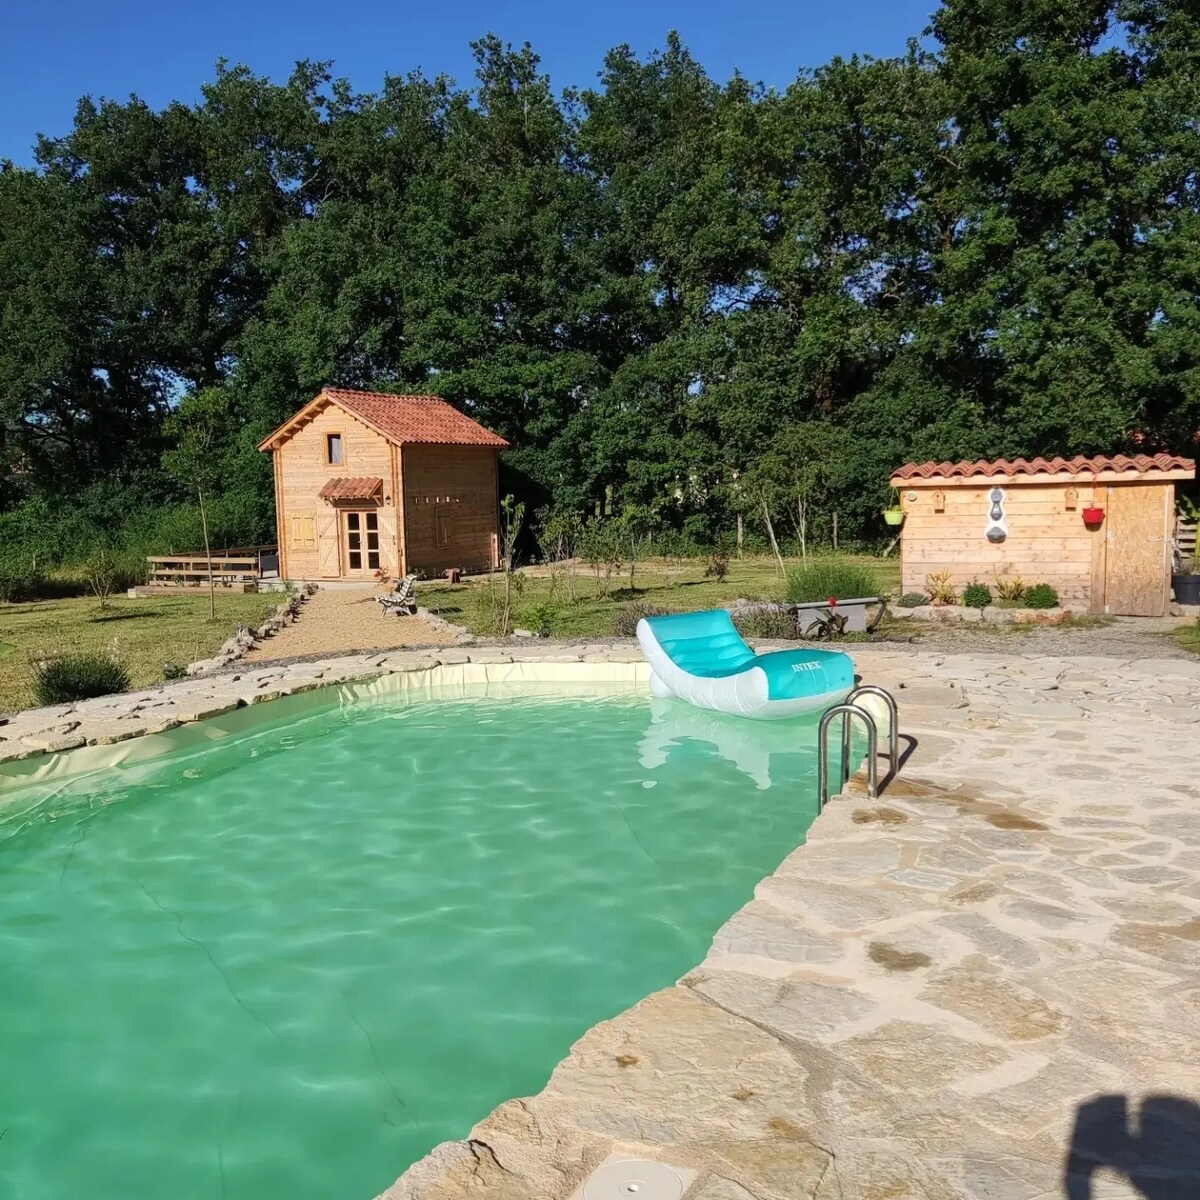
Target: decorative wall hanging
(894, 514)
(996, 529)
(939, 501)
(1070, 499)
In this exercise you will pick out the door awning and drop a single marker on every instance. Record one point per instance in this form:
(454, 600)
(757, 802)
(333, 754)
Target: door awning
(355, 487)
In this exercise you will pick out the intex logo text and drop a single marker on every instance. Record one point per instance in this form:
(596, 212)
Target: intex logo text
(809, 666)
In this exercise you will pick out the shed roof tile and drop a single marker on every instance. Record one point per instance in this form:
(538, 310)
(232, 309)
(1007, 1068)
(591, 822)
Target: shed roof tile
(1138, 464)
(414, 418)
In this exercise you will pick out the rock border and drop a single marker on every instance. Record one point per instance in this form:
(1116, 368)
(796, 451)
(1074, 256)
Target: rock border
(950, 614)
(244, 639)
(107, 720)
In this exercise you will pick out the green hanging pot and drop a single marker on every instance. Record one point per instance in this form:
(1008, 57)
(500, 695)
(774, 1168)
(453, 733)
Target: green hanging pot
(894, 516)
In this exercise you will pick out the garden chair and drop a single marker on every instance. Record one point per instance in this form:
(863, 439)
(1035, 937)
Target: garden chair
(402, 601)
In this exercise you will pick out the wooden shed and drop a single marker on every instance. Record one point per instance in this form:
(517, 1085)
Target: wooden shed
(1098, 529)
(366, 482)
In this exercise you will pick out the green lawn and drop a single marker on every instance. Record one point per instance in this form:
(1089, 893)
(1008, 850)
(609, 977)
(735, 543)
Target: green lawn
(144, 632)
(1188, 636)
(677, 585)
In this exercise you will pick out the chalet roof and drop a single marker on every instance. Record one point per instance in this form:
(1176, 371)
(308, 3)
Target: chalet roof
(399, 418)
(351, 487)
(1171, 466)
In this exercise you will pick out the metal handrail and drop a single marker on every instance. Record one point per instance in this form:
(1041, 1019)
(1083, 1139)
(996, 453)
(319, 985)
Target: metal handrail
(872, 689)
(847, 712)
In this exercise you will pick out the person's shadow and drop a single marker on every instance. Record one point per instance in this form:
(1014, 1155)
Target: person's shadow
(1158, 1153)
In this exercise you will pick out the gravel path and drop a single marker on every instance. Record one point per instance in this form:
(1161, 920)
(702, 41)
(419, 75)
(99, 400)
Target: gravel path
(346, 620)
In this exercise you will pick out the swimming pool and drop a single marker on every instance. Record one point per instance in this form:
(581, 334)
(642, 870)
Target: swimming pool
(288, 963)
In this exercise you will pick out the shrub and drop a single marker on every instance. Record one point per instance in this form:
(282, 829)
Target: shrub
(1041, 595)
(628, 615)
(912, 600)
(1010, 588)
(70, 677)
(777, 626)
(828, 577)
(18, 585)
(174, 670)
(976, 595)
(940, 588)
(600, 547)
(717, 564)
(541, 618)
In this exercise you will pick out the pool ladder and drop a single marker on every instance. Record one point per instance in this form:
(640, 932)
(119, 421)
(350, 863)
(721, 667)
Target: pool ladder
(848, 711)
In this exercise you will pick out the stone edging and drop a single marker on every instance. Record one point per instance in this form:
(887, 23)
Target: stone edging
(992, 615)
(245, 639)
(107, 720)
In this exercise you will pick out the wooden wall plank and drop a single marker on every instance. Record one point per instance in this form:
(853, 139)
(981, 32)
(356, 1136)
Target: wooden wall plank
(303, 472)
(454, 488)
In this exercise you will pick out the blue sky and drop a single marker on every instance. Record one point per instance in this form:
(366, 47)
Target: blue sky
(54, 51)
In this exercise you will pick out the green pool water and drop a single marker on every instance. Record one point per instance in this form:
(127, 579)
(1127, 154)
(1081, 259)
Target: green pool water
(288, 964)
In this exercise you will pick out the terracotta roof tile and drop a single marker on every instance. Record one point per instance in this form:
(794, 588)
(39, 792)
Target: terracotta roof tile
(414, 418)
(1140, 464)
(356, 487)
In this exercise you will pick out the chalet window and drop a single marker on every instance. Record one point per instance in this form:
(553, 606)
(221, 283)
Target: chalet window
(333, 449)
(304, 534)
(444, 522)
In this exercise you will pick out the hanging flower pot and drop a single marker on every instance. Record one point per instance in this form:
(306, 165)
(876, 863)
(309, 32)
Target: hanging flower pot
(1093, 516)
(893, 516)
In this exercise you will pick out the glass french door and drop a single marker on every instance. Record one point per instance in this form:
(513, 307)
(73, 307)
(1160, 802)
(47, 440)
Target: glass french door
(362, 542)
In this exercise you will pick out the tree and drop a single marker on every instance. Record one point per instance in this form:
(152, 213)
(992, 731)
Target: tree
(199, 426)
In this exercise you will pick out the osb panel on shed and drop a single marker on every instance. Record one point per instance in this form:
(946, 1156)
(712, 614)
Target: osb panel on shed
(451, 499)
(1137, 567)
(1046, 543)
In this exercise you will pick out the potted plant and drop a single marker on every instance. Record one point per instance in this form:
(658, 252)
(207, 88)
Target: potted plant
(1185, 582)
(894, 514)
(1093, 515)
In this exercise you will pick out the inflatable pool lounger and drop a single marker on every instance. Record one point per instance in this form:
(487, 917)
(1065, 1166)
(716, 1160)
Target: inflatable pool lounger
(700, 657)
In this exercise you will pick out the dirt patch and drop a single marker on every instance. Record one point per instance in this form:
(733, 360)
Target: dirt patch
(892, 959)
(1012, 820)
(345, 620)
(878, 816)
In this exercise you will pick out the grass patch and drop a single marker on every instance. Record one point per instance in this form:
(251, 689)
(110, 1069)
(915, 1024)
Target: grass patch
(1187, 637)
(672, 585)
(826, 578)
(144, 632)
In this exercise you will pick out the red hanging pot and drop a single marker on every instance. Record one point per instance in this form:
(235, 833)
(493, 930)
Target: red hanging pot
(1093, 516)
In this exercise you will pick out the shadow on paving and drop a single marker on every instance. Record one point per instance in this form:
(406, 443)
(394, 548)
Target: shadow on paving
(1157, 1149)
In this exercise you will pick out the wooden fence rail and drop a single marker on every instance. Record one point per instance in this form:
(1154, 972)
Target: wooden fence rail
(228, 568)
(1185, 538)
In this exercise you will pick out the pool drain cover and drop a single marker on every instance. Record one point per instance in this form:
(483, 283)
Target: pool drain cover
(618, 1178)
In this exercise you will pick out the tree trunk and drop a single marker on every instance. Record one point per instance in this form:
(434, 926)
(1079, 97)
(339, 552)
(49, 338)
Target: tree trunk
(212, 587)
(802, 528)
(835, 529)
(771, 535)
(741, 534)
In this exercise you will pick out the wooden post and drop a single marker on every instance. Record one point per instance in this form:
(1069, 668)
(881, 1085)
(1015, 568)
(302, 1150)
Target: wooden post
(212, 587)
(835, 529)
(741, 534)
